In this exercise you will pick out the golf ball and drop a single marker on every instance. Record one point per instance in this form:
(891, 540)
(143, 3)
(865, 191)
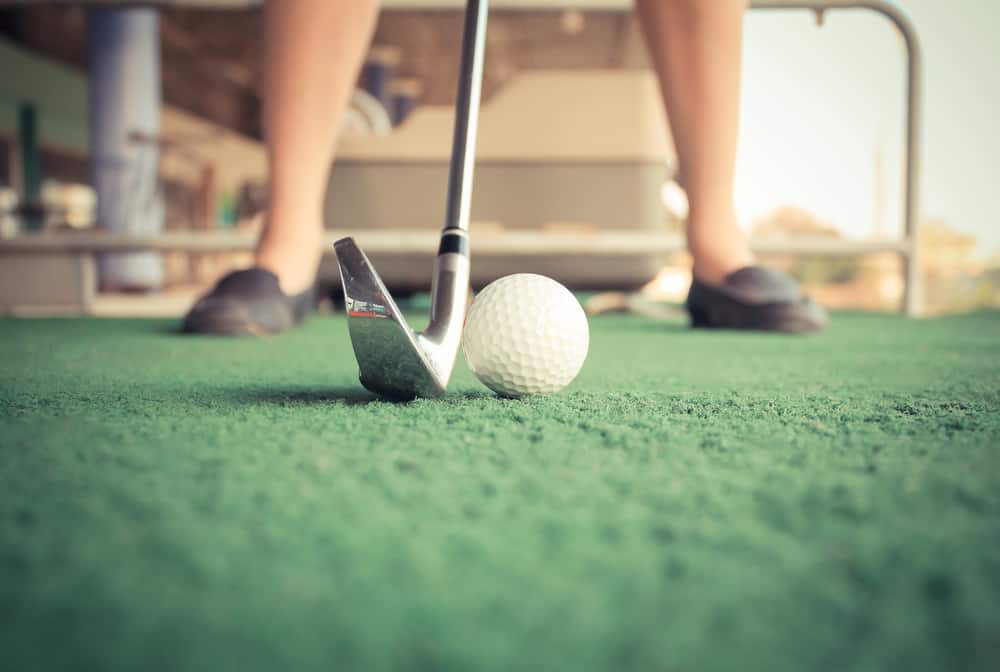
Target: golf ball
(525, 334)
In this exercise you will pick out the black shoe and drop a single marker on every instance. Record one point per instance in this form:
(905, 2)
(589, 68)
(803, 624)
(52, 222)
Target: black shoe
(755, 298)
(248, 303)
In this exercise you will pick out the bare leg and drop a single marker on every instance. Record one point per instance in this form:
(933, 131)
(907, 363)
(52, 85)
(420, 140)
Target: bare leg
(695, 46)
(313, 50)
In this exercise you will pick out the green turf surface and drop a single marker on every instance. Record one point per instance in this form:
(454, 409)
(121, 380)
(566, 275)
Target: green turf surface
(695, 501)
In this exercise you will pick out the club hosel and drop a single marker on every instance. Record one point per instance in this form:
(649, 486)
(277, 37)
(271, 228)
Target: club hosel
(449, 297)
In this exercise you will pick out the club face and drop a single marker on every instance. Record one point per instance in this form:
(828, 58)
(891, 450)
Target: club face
(391, 361)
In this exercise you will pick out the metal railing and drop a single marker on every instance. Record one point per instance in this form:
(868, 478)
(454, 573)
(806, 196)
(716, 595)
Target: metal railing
(912, 289)
(907, 247)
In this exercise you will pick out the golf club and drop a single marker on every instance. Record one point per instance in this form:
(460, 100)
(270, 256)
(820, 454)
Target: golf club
(394, 361)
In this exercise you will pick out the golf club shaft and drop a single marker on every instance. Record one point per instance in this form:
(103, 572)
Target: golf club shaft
(394, 360)
(450, 285)
(463, 153)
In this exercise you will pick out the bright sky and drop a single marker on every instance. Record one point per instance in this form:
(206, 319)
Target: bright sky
(819, 102)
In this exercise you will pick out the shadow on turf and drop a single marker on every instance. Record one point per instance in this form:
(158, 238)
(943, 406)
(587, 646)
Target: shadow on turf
(298, 396)
(348, 396)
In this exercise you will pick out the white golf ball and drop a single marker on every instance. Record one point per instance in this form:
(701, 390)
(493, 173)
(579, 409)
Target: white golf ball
(526, 334)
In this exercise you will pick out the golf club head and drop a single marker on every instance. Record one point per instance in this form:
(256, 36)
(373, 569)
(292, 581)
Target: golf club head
(391, 360)
(395, 361)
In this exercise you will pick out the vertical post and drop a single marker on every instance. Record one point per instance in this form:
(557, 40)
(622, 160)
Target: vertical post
(913, 300)
(125, 103)
(207, 201)
(912, 304)
(31, 167)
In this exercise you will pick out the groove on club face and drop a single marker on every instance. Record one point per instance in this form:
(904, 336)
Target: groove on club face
(390, 359)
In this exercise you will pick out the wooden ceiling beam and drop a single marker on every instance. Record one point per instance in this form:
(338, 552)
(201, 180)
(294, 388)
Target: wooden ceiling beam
(190, 81)
(212, 59)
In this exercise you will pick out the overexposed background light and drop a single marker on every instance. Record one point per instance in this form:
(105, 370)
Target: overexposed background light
(822, 117)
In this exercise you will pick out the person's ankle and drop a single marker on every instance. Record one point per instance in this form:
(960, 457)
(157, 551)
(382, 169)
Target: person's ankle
(294, 259)
(711, 264)
(717, 243)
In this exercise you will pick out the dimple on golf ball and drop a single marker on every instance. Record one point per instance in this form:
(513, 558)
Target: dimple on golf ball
(525, 334)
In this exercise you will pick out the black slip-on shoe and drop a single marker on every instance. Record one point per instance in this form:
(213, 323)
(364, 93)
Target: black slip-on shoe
(248, 303)
(756, 298)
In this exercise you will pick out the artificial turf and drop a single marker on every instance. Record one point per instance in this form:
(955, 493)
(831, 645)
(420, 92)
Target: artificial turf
(695, 501)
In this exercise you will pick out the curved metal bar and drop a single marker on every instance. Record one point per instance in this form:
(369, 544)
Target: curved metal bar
(912, 296)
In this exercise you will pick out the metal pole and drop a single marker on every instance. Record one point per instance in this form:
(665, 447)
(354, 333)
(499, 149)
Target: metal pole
(31, 167)
(470, 79)
(912, 286)
(124, 92)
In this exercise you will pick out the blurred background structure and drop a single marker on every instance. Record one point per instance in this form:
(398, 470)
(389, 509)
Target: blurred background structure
(573, 150)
